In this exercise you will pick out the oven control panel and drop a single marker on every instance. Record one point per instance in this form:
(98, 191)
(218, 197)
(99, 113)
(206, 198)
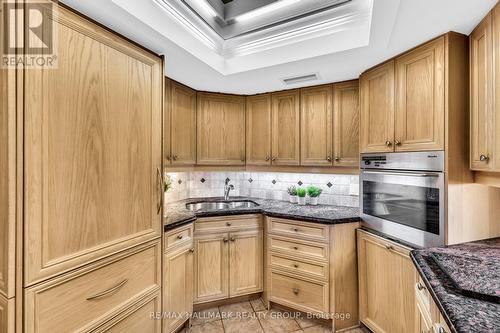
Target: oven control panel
(414, 161)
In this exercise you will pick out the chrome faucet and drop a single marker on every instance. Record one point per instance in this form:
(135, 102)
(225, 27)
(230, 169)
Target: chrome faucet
(227, 187)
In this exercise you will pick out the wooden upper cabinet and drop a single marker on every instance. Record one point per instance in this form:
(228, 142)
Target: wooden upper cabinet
(316, 126)
(346, 124)
(93, 145)
(221, 129)
(420, 98)
(495, 112)
(258, 130)
(167, 128)
(481, 94)
(377, 109)
(182, 125)
(286, 127)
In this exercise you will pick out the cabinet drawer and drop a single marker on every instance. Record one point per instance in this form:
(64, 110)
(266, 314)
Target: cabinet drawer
(304, 295)
(178, 236)
(227, 224)
(137, 318)
(423, 297)
(298, 229)
(300, 267)
(298, 248)
(80, 300)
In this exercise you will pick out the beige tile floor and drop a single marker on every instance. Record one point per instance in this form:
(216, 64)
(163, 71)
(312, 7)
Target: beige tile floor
(253, 317)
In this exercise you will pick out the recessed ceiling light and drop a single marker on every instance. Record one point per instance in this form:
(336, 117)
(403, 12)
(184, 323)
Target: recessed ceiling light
(208, 8)
(264, 10)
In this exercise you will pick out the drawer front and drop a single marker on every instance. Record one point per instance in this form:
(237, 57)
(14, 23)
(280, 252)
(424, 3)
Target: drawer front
(137, 318)
(228, 224)
(423, 297)
(179, 236)
(304, 295)
(304, 230)
(300, 267)
(81, 300)
(298, 248)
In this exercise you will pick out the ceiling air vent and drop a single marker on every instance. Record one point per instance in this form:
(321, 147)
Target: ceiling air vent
(300, 79)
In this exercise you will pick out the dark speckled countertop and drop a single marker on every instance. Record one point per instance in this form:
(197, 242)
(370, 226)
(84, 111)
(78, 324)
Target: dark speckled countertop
(176, 213)
(443, 270)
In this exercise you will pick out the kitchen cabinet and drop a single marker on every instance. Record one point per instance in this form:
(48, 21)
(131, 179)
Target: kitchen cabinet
(7, 315)
(180, 124)
(386, 285)
(420, 99)
(178, 279)
(228, 257)
(377, 109)
(430, 318)
(258, 130)
(346, 124)
(316, 126)
(220, 129)
(92, 128)
(286, 127)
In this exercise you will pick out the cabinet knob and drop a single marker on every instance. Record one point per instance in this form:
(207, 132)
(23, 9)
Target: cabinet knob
(268, 158)
(296, 265)
(295, 248)
(441, 329)
(388, 143)
(484, 158)
(397, 142)
(295, 291)
(179, 237)
(389, 247)
(169, 158)
(337, 158)
(296, 229)
(273, 158)
(191, 250)
(329, 158)
(233, 239)
(224, 240)
(228, 224)
(175, 157)
(420, 286)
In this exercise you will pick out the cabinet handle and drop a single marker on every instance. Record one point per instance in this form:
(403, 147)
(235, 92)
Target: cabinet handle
(420, 286)
(224, 240)
(107, 292)
(295, 291)
(267, 158)
(169, 158)
(159, 180)
(175, 157)
(191, 250)
(388, 143)
(233, 239)
(296, 229)
(228, 224)
(337, 158)
(273, 158)
(397, 142)
(484, 158)
(296, 265)
(389, 247)
(329, 158)
(179, 237)
(295, 248)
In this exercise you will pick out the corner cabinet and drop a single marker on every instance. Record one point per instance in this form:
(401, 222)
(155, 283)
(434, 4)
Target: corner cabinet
(386, 285)
(286, 127)
(179, 124)
(92, 133)
(221, 129)
(316, 126)
(346, 124)
(258, 130)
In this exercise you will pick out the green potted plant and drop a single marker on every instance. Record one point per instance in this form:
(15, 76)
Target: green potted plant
(301, 193)
(314, 192)
(292, 192)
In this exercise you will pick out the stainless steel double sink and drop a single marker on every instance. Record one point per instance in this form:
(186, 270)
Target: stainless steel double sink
(217, 205)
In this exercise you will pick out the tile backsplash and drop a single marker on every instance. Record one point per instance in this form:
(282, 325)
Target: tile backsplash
(340, 190)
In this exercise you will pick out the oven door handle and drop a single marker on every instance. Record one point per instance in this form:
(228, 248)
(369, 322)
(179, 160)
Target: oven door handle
(405, 174)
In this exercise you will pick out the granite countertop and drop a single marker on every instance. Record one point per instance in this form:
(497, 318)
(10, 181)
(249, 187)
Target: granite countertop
(466, 296)
(176, 213)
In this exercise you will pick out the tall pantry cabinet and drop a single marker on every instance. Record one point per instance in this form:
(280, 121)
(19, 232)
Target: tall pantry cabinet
(84, 149)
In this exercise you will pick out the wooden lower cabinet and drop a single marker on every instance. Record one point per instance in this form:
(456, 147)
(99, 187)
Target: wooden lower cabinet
(82, 300)
(140, 317)
(386, 285)
(177, 286)
(7, 315)
(228, 258)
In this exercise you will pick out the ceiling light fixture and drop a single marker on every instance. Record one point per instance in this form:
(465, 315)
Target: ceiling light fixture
(264, 10)
(208, 8)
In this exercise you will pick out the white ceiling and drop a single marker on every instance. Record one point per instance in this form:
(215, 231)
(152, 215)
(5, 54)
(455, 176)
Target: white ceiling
(394, 26)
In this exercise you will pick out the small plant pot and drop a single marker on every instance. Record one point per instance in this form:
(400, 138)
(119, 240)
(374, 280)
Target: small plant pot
(301, 201)
(313, 201)
(293, 199)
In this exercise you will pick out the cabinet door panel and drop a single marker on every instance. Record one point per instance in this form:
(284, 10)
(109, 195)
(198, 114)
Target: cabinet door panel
(259, 130)
(167, 121)
(286, 128)
(211, 267)
(387, 279)
(245, 263)
(183, 125)
(177, 288)
(93, 143)
(221, 129)
(316, 126)
(481, 74)
(495, 112)
(420, 98)
(377, 109)
(346, 124)
(7, 315)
